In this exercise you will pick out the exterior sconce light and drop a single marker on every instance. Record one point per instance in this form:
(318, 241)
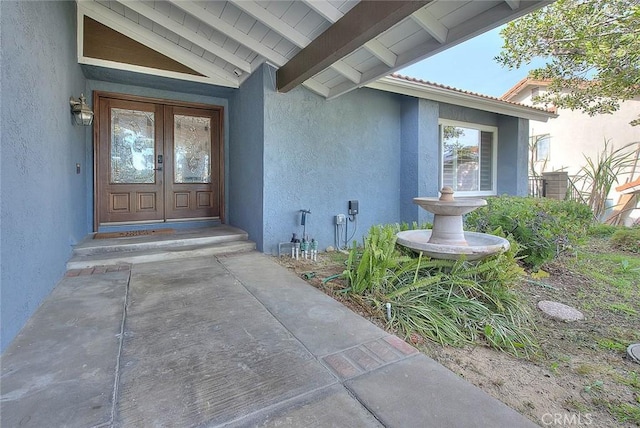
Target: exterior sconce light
(82, 114)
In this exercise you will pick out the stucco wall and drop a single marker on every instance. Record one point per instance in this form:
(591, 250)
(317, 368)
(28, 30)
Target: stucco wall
(420, 157)
(246, 157)
(319, 154)
(470, 115)
(43, 199)
(576, 135)
(513, 150)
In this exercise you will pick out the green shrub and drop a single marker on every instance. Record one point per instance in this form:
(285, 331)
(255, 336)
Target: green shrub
(542, 227)
(627, 239)
(371, 268)
(602, 230)
(453, 302)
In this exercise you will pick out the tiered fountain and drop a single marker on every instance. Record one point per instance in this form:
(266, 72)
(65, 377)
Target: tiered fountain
(447, 239)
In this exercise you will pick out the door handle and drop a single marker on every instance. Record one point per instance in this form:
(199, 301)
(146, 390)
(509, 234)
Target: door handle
(158, 168)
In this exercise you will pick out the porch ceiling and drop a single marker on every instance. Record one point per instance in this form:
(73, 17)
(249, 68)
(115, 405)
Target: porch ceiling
(329, 46)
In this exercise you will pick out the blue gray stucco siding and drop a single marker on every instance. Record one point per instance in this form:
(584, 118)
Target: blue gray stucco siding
(43, 198)
(420, 154)
(246, 157)
(320, 154)
(513, 156)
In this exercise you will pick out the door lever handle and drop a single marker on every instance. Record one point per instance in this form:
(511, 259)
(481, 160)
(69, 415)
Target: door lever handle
(158, 168)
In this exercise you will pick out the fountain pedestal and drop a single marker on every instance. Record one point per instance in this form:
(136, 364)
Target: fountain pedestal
(447, 230)
(447, 239)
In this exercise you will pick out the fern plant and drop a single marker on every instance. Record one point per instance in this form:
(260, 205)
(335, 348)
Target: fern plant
(452, 302)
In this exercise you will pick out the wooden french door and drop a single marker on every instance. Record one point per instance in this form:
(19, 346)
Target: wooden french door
(157, 161)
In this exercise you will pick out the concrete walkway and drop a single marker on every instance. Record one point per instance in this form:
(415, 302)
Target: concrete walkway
(229, 341)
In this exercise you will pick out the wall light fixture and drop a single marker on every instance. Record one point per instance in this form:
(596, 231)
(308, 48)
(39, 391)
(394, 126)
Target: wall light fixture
(82, 114)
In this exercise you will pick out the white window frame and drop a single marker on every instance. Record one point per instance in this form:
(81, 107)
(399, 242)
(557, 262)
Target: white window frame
(494, 155)
(538, 138)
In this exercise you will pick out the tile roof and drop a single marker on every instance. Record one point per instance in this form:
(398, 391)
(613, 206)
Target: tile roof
(523, 84)
(462, 91)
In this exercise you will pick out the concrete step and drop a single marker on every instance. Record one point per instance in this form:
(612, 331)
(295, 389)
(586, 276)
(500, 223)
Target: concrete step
(152, 248)
(181, 238)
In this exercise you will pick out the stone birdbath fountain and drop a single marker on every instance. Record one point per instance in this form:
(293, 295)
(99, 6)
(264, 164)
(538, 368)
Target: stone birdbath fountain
(447, 239)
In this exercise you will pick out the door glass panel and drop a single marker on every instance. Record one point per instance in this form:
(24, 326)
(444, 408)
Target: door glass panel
(132, 146)
(192, 149)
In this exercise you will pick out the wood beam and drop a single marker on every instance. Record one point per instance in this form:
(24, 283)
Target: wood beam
(325, 9)
(317, 87)
(347, 71)
(185, 33)
(230, 31)
(271, 21)
(365, 21)
(381, 52)
(153, 41)
(431, 25)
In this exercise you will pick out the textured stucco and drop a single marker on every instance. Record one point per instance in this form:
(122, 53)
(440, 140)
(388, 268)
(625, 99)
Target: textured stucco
(513, 151)
(470, 115)
(132, 78)
(246, 163)
(43, 199)
(419, 157)
(319, 154)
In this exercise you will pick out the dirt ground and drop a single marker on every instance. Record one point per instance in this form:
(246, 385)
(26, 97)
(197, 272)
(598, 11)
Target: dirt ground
(573, 382)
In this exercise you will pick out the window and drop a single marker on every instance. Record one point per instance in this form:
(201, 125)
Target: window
(468, 158)
(541, 147)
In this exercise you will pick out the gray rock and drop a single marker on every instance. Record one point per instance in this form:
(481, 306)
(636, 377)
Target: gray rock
(559, 311)
(634, 352)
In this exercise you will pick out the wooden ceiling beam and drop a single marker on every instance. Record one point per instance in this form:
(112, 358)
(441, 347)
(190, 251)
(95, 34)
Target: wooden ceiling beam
(362, 23)
(276, 24)
(381, 52)
(325, 9)
(230, 31)
(431, 25)
(186, 33)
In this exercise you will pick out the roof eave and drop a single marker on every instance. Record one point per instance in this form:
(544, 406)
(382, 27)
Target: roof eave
(419, 90)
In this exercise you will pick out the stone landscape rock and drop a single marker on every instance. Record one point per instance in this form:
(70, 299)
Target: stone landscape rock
(634, 352)
(559, 311)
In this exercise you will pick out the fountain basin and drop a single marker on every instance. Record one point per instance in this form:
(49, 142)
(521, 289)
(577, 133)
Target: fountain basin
(449, 207)
(478, 245)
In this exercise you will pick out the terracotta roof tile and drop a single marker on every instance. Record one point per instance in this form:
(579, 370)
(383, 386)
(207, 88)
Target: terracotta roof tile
(462, 91)
(521, 85)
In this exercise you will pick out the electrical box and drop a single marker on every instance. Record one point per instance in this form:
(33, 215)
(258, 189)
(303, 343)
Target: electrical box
(353, 207)
(340, 219)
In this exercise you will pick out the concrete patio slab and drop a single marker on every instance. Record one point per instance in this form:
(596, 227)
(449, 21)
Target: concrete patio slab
(60, 370)
(329, 407)
(200, 349)
(222, 342)
(322, 324)
(418, 392)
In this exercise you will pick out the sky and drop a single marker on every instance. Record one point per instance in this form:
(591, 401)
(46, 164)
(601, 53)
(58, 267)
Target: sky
(469, 66)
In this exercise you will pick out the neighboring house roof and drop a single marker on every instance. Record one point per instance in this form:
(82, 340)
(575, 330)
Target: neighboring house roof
(405, 85)
(525, 84)
(331, 47)
(628, 188)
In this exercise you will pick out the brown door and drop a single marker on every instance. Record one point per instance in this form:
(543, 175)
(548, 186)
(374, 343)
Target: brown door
(156, 161)
(193, 163)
